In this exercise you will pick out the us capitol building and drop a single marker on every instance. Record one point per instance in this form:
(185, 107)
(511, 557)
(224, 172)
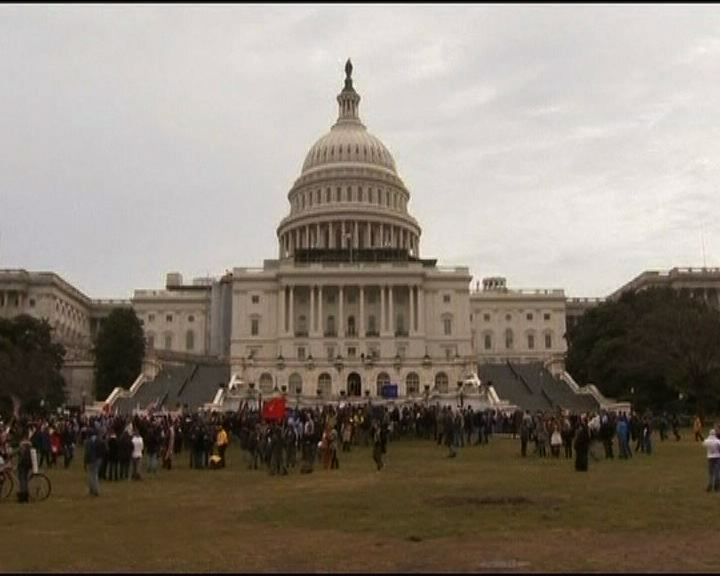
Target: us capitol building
(350, 308)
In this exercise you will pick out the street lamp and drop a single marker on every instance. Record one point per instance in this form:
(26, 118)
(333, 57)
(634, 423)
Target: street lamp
(348, 237)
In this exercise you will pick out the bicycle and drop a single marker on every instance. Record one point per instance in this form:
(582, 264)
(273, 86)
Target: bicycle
(39, 485)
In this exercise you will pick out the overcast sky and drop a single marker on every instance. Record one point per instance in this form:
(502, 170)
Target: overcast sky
(559, 146)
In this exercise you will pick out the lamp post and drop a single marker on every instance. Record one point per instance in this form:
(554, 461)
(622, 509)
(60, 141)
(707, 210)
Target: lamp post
(348, 237)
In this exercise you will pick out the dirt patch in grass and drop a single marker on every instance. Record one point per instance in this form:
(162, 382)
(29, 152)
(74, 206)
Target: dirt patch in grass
(465, 501)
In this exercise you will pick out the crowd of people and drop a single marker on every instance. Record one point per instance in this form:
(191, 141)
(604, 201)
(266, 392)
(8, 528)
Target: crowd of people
(114, 447)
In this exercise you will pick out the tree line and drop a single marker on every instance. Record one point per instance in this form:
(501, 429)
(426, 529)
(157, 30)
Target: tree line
(658, 348)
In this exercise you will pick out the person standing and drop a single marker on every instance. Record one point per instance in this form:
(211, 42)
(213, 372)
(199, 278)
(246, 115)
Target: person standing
(222, 443)
(582, 446)
(379, 441)
(137, 454)
(697, 429)
(712, 445)
(125, 450)
(93, 458)
(24, 468)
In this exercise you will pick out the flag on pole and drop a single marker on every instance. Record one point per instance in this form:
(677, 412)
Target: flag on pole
(274, 410)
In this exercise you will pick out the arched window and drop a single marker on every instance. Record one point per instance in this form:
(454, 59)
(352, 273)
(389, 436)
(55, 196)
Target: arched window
(382, 380)
(295, 383)
(508, 339)
(266, 382)
(441, 382)
(412, 384)
(325, 384)
(190, 340)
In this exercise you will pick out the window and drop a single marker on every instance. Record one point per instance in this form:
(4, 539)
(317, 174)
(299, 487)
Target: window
(254, 326)
(331, 352)
(266, 382)
(351, 326)
(531, 342)
(351, 351)
(301, 352)
(325, 384)
(401, 351)
(508, 317)
(373, 351)
(412, 383)
(168, 341)
(190, 340)
(400, 325)
(447, 326)
(168, 318)
(486, 317)
(546, 316)
(330, 329)
(529, 316)
(382, 380)
(256, 299)
(548, 340)
(446, 298)
(441, 382)
(509, 339)
(32, 302)
(191, 318)
(151, 318)
(488, 342)
(150, 340)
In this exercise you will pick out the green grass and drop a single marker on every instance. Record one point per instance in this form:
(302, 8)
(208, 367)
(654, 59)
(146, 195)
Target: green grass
(423, 512)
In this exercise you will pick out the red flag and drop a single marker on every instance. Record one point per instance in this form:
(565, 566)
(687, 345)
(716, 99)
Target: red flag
(274, 410)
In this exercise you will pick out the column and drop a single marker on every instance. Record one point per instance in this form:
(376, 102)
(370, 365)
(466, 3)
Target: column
(312, 310)
(341, 314)
(361, 294)
(367, 235)
(421, 310)
(356, 238)
(392, 236)
(307, 237)
(292, 312)
(391, 319)
(282, 297)
(331, 236)
(318, 243)
(382, 309)
(412, 309)
(321, 321)
(342, 234)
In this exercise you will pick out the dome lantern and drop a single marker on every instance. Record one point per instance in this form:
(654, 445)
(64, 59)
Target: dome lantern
(348, 99)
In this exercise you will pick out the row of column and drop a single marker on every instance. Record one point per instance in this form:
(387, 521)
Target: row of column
(344, 234)
(387, 310)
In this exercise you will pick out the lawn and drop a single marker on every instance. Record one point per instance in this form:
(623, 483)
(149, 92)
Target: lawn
(486, 510)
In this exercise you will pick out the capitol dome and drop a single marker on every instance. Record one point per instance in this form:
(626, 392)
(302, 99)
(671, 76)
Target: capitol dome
(348, 142)
(349, 193)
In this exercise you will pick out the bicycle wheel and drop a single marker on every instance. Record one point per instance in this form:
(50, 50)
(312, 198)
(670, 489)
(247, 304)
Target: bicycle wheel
(6, 485)
(39, 487)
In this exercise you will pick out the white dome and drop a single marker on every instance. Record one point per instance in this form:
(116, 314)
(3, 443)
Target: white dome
(345, 143)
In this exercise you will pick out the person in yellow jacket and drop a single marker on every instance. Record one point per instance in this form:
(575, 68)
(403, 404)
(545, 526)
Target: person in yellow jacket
(221, 441)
